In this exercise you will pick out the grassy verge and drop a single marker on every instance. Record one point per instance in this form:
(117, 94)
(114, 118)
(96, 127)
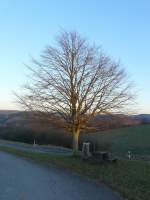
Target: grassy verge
(130, 178)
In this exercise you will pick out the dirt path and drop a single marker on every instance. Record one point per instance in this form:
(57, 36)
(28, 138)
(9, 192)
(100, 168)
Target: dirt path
(23, 180)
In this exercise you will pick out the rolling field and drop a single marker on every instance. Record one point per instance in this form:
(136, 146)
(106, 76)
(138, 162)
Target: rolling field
(119, 141)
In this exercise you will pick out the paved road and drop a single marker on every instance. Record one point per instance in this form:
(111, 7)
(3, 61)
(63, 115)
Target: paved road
(21, 179)
(37, 148)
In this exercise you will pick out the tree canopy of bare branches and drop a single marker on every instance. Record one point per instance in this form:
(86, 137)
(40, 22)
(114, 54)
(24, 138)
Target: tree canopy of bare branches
(74, 81)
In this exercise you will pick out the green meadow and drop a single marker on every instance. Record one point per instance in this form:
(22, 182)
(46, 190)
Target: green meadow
(119, 141)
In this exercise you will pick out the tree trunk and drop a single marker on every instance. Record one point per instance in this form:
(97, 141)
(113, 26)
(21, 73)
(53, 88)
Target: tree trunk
(76, 134)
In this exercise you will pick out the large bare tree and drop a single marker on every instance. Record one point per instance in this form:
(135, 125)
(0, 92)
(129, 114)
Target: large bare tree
(73, 82)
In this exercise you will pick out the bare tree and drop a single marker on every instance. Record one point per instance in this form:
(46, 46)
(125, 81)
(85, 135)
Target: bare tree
(73, 82)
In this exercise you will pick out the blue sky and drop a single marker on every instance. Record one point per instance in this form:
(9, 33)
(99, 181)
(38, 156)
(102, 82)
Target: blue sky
(122, 27)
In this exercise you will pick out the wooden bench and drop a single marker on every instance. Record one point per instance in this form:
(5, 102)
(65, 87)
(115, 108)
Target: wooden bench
(104, 156)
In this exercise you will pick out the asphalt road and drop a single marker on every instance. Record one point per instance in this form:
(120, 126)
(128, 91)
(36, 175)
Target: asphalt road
(22, 179)
(49, 149)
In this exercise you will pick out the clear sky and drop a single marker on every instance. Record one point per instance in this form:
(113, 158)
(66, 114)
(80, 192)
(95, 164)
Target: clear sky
(122, 27)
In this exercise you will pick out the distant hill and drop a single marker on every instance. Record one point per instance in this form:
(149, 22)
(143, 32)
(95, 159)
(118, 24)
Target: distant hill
(145, 118)
(103, 122)
(13, 118)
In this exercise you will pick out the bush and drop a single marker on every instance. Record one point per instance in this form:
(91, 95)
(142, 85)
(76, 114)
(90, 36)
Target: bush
(27, 135)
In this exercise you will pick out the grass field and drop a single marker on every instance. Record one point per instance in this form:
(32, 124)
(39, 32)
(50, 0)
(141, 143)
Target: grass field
(131, 179)
(135, 139)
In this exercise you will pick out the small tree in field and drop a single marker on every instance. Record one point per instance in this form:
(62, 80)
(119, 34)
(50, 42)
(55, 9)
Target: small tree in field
(74, 82)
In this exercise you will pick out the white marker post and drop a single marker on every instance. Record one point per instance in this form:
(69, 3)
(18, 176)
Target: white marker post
(34, 143)
(129, 155)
